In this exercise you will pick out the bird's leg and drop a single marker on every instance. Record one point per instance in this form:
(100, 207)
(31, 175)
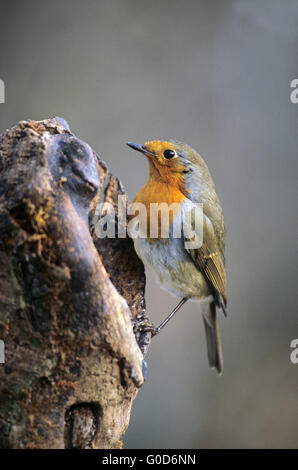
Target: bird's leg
(168, 318)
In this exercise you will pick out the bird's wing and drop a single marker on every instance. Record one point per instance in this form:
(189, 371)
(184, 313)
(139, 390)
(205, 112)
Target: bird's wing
(209, 260)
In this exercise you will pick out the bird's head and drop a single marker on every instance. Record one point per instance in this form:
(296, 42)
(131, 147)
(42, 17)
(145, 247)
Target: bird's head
(174, 163)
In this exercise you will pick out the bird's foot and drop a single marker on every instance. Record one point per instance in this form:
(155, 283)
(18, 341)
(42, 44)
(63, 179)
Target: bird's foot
(145, 326)
(144, 331)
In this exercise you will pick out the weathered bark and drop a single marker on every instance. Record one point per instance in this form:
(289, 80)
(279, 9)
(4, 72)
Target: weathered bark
(68, 301)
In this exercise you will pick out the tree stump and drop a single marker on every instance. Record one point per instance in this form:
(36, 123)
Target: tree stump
(68, 300)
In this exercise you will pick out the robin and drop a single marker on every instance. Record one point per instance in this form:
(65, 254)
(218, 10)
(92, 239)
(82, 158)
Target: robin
(178, 174)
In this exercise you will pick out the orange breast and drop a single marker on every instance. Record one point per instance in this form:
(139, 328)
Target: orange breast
(158, 192)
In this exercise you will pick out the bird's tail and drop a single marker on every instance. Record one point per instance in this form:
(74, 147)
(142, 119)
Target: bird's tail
(214, 348)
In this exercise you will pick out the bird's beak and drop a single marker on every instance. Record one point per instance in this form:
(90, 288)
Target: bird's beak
(140, 148)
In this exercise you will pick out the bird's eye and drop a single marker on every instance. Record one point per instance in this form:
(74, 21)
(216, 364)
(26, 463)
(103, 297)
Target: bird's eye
(169, 153)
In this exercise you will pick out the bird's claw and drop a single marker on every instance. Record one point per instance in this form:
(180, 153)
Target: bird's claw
(145, 326)
(144, 331)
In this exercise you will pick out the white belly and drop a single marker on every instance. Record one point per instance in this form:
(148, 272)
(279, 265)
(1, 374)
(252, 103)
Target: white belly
(172, 267)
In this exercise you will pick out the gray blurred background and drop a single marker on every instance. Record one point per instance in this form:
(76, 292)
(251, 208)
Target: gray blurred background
(215, 74)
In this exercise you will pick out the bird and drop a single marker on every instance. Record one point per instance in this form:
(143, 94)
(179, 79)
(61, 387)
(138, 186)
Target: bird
(179, 175)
